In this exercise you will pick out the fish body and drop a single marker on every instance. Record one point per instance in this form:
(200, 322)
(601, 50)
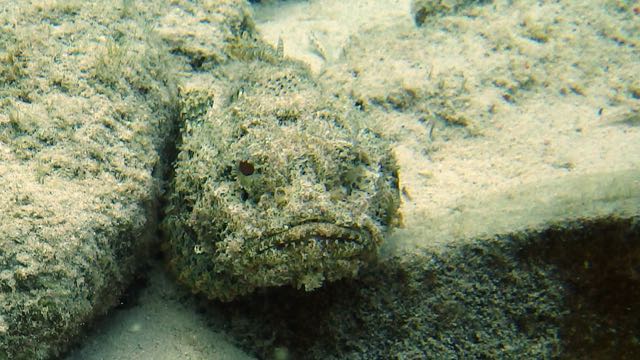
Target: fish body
(277, 182)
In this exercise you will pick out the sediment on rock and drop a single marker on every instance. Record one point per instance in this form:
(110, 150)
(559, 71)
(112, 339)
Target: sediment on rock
(87, 100)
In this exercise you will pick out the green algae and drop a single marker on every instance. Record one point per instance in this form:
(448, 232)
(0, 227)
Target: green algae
(84, 117)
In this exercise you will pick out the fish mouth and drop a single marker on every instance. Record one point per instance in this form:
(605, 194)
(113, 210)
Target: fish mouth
(347, 240)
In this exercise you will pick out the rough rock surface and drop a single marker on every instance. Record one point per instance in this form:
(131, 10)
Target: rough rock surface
(87, 98)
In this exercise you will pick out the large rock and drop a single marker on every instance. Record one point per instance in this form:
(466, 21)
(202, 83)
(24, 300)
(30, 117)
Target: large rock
(87, 102)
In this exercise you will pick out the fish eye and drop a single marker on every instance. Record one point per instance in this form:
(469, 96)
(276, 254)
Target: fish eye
(245, 167)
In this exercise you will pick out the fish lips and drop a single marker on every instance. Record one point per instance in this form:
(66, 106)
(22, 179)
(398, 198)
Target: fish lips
(326, 235)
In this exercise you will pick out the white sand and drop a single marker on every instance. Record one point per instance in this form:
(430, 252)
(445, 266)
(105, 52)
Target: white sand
(163, 325)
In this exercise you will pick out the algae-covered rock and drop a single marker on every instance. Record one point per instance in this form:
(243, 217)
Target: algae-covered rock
(422, 10)
(87, 98)
(276, 182)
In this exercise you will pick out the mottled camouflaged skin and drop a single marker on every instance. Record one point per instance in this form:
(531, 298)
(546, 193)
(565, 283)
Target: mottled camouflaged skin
(276, 183)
